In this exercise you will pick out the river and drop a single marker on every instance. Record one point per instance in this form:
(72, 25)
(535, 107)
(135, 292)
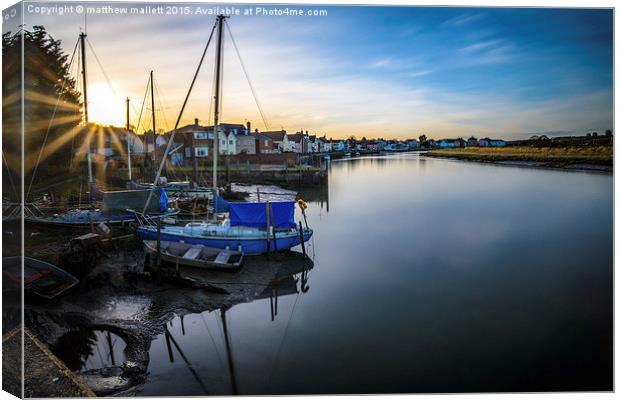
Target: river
(430, 275)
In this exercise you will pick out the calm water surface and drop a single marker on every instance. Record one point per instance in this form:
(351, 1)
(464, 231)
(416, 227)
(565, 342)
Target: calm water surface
(430, 276)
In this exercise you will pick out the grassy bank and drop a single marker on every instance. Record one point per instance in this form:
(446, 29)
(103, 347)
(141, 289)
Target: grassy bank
(553, 156)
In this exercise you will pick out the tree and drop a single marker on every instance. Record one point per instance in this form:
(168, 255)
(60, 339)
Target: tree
(594, 134)
(608, 133)
(422, 138)
(51, 102)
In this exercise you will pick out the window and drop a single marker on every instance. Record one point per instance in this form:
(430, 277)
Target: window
(266, 142)
(223, 142)
(201, 151)
(188, 152)
(230, 141)
(200, 135)
(210, 135)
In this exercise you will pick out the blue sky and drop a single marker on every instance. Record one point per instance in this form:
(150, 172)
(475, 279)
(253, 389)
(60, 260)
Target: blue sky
(373, 71)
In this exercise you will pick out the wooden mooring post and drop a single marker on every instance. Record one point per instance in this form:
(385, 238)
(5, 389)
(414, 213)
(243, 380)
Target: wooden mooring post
(157, 262)
(301, 236)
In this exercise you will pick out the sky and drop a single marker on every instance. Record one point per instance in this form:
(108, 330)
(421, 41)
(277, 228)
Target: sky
(392, 72)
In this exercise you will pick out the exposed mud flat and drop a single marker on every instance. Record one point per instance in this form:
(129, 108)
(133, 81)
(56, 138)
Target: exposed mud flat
(117, 296)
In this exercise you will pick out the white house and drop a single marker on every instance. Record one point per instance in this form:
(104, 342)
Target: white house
(280, 140)
(227, 143)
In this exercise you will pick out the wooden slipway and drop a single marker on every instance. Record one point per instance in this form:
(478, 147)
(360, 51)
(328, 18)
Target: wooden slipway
(45, 375)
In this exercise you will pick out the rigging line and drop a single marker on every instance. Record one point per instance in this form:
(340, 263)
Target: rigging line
(176, 125)
(191, 86)
(275, 363)
(143, 104)
(49, 125)
(247, 76)
(161, 105)
(105, 75)
(10, 174)
(212, 99)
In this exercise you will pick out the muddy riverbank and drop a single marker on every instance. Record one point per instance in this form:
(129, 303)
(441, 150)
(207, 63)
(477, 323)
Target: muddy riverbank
(576, 165)
(120, 296)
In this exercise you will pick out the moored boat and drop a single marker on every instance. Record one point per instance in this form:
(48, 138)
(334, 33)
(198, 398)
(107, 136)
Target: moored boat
(196, 255)
(249, 240)
(253, 228)
(40, 278)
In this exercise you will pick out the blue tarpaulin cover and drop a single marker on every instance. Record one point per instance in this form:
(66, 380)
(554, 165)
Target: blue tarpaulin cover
(255, 214)
(163, 197)
(221, 205)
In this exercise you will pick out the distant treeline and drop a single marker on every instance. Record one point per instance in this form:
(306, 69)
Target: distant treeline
(566, 141)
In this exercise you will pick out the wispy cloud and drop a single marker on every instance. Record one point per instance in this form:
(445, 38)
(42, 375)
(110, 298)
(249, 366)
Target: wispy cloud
(480, 46)
(382, 63)
(416, 74)
(463, 19)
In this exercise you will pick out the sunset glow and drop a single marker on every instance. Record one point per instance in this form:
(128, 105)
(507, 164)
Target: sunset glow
(444, 72)
(104, 107)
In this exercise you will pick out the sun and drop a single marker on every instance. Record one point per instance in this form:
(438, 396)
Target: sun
(104, 106)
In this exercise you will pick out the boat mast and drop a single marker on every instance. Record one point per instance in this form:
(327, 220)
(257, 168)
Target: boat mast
(83, 50)
(153, 116)
(218, 91)
(85, 93)
(128, 140)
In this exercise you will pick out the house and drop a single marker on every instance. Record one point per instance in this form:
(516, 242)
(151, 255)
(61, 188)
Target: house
(228, 137)
(484, 142)
(497, 143)
(280, 140)
(316, 144)
(151, 141)
(321, 144)
(299, 142)
(446, 143)
(264, 144)
(334, 145)
(373, 145)
(451, 143)
(472, 141)
(196, 142)
(246, 141)
(413, 143)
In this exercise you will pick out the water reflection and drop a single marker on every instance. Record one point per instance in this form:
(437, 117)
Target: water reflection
(187, 354)
(85, 349)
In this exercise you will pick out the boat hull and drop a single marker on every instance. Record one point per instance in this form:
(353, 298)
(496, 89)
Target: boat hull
(86, 222)
(166, 255)
(247, 245)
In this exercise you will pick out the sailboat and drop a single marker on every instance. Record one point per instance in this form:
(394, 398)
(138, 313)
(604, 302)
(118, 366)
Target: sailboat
(115, 204)
(252, 228)
(181, 190)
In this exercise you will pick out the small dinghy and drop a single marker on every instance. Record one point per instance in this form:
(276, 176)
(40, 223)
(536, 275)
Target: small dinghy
(196, 255)
(41, 279)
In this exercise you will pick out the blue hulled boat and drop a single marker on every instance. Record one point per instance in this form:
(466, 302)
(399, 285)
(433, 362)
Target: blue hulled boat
(247, 230)
(223, 236)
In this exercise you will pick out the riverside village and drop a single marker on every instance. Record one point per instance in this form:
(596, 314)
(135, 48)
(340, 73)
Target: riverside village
(186, 252)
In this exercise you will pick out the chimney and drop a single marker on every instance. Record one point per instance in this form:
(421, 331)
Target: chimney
(249, 127)
(195, 121)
